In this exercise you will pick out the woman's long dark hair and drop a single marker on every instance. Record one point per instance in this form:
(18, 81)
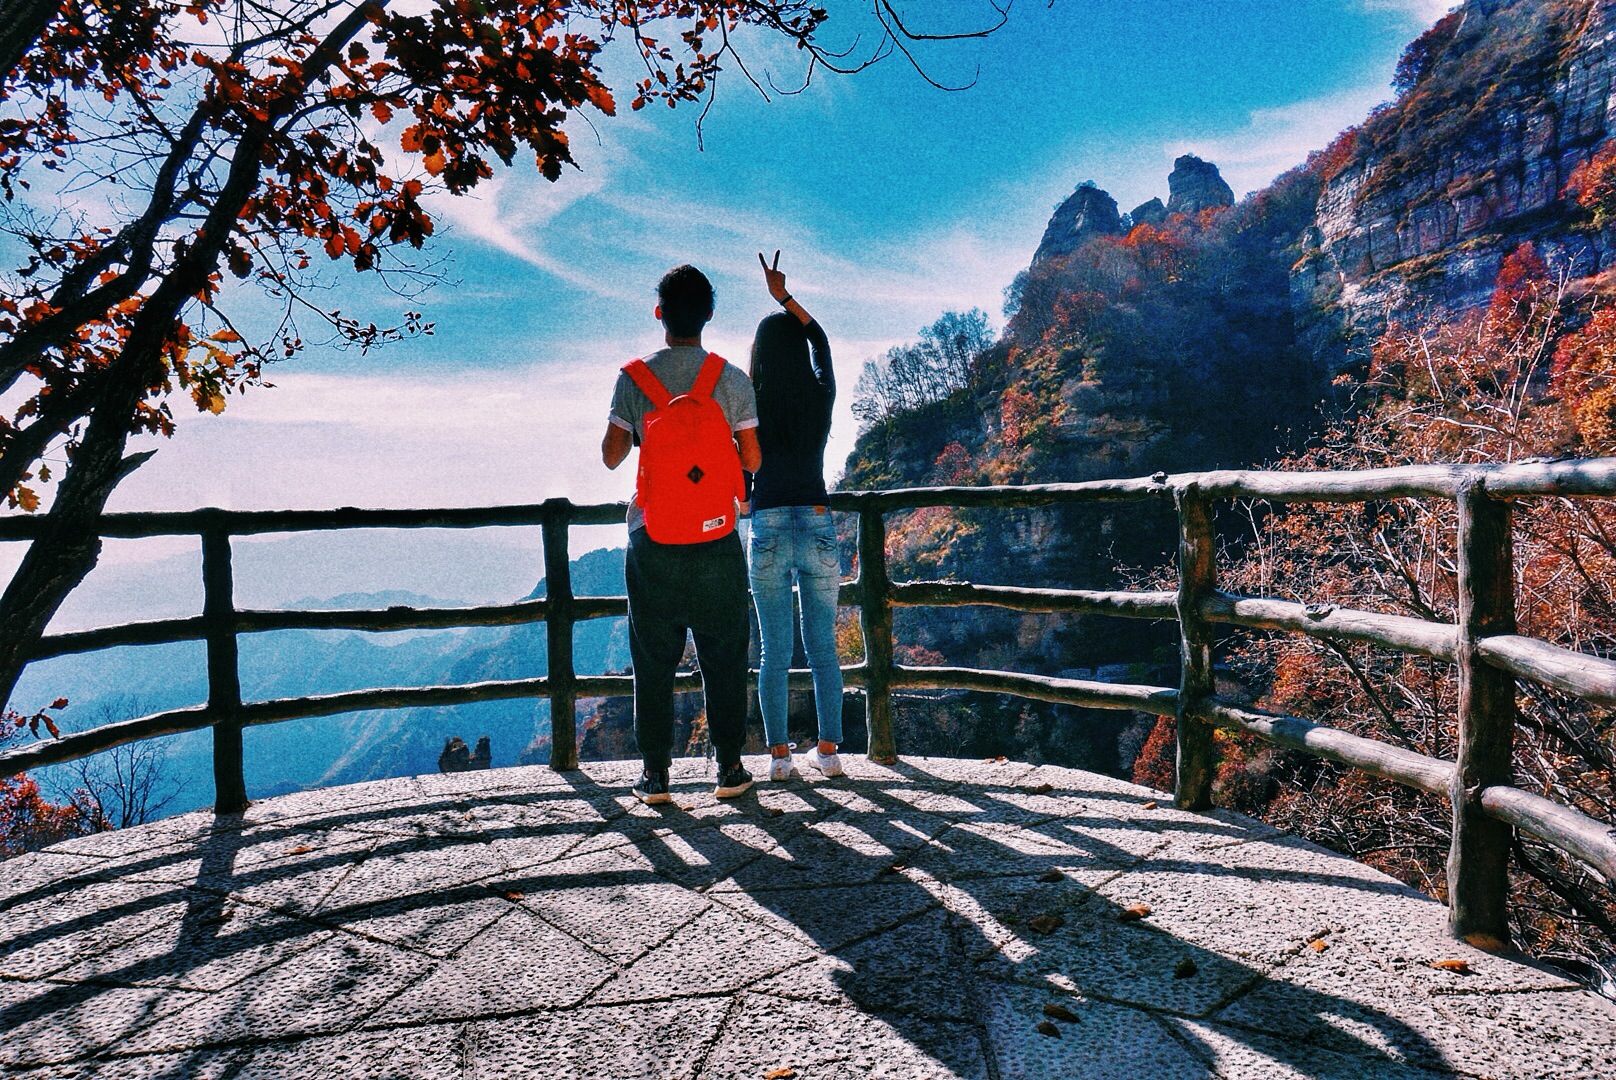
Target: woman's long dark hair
(789, 398)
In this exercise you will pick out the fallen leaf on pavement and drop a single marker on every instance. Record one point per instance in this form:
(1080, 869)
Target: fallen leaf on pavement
(1046, 924)
(1061, 1012)
(1150, 805)
(1461, 967)
(1134, 912)
(1318, 944)
(301, 849)
(1051, 875)
(780, 1074)
(1046, 1028)
(1042, 789)
(1184, 968)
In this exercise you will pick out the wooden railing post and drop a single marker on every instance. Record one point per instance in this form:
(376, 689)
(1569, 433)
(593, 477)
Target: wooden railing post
(875, 620)
(1478, 859)
(558, 636)
(1197, 580)
(224, 675)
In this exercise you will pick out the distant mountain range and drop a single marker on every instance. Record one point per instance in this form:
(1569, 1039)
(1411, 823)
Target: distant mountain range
(120, 683)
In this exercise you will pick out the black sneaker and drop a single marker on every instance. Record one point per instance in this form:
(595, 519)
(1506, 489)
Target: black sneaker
(652, 787)
(733, 780)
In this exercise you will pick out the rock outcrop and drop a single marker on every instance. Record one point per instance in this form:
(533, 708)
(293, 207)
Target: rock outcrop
(457, 758)
(1196, 185)
(1151, 212)
(1087, 212)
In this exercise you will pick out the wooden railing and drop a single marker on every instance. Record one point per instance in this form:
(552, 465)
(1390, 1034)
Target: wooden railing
(1489, 654)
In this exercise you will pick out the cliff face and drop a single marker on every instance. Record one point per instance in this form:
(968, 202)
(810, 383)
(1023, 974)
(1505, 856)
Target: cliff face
(1499, 103)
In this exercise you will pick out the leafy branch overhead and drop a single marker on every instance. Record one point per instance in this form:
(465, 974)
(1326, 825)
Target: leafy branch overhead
(158, 156)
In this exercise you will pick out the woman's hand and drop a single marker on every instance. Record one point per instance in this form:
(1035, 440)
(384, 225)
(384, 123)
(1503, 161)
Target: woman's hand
(774, 278)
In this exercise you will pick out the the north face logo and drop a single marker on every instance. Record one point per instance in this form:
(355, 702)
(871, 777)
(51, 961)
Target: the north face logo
(695, 474)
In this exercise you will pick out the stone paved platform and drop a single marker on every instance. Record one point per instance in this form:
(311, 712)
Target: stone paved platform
(911, 922)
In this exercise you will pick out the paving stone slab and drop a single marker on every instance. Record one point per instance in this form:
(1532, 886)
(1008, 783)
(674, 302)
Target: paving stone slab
(718, 952)
(484, 783)
(204, 946)
(1235, 1054)
(39, 874)
(48, 1023)
(537, 830)
(1107, 1042)
(193, 1065)
(330, 988)
(991, 771)
(413, 870)
(1203, 905)
(1541, 1035)
(659, 1041)
(610, 901)
(994, 849)
(520, 964)
(764, 1034)
(915, 969)
(45, 936)
(434, 924)
(1344, 1001)
(829, 918)
(1097, 954)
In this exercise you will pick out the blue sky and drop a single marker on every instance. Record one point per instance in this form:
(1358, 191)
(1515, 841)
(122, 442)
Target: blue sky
(892, 202)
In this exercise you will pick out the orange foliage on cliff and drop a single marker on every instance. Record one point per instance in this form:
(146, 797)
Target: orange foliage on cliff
(1474, 388)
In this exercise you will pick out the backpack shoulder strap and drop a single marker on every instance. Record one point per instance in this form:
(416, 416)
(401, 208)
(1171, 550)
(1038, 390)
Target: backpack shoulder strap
(706, 382)
(649, 384)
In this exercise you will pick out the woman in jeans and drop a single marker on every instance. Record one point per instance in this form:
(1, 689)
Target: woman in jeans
(792, 537)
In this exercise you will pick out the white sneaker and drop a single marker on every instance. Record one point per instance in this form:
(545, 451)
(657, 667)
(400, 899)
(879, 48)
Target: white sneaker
(782, 768)
(829, 764)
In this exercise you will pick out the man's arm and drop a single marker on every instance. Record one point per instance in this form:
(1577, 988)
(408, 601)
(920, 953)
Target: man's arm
(751, 452)
(617, 443)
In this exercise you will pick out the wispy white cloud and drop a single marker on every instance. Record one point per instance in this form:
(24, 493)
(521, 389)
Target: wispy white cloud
(1274, 140)
(1424, 12)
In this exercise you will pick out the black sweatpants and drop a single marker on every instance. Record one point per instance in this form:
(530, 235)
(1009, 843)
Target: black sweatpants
(672, 589)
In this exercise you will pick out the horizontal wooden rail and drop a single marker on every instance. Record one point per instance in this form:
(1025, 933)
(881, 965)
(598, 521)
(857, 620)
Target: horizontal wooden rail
(1158, 700)
(78, 744)
(1021, 496)
(1128, 605)
(253, 522)
(1328, 621)
(1575, 833)
(408, 618)
(154, 632)
(94, 740)
(1428, 774)
(1591, 678)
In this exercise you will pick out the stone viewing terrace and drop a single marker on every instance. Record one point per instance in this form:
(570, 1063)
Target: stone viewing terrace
(934, 918)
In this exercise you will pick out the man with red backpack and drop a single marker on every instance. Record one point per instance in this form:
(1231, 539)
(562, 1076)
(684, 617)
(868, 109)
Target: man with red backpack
(694, 417)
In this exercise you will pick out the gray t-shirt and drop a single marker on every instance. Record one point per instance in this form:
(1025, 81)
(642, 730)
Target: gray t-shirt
(676, 368)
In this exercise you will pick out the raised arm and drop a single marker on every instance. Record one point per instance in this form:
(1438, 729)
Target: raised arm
(819, 357)
(776, 280)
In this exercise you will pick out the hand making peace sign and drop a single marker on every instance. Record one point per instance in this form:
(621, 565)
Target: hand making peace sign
(774, 278)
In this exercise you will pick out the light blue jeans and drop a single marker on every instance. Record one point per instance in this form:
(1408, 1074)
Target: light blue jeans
(796, 544)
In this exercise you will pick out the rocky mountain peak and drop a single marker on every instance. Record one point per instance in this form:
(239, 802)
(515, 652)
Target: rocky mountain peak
(1088, 211)
(1151, 212)
(1196, 185)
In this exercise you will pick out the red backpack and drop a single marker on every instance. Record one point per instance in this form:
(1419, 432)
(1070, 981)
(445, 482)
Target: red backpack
(690, 471)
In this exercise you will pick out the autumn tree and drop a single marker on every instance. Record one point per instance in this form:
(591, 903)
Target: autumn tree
(914, 375)
(161, 161)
